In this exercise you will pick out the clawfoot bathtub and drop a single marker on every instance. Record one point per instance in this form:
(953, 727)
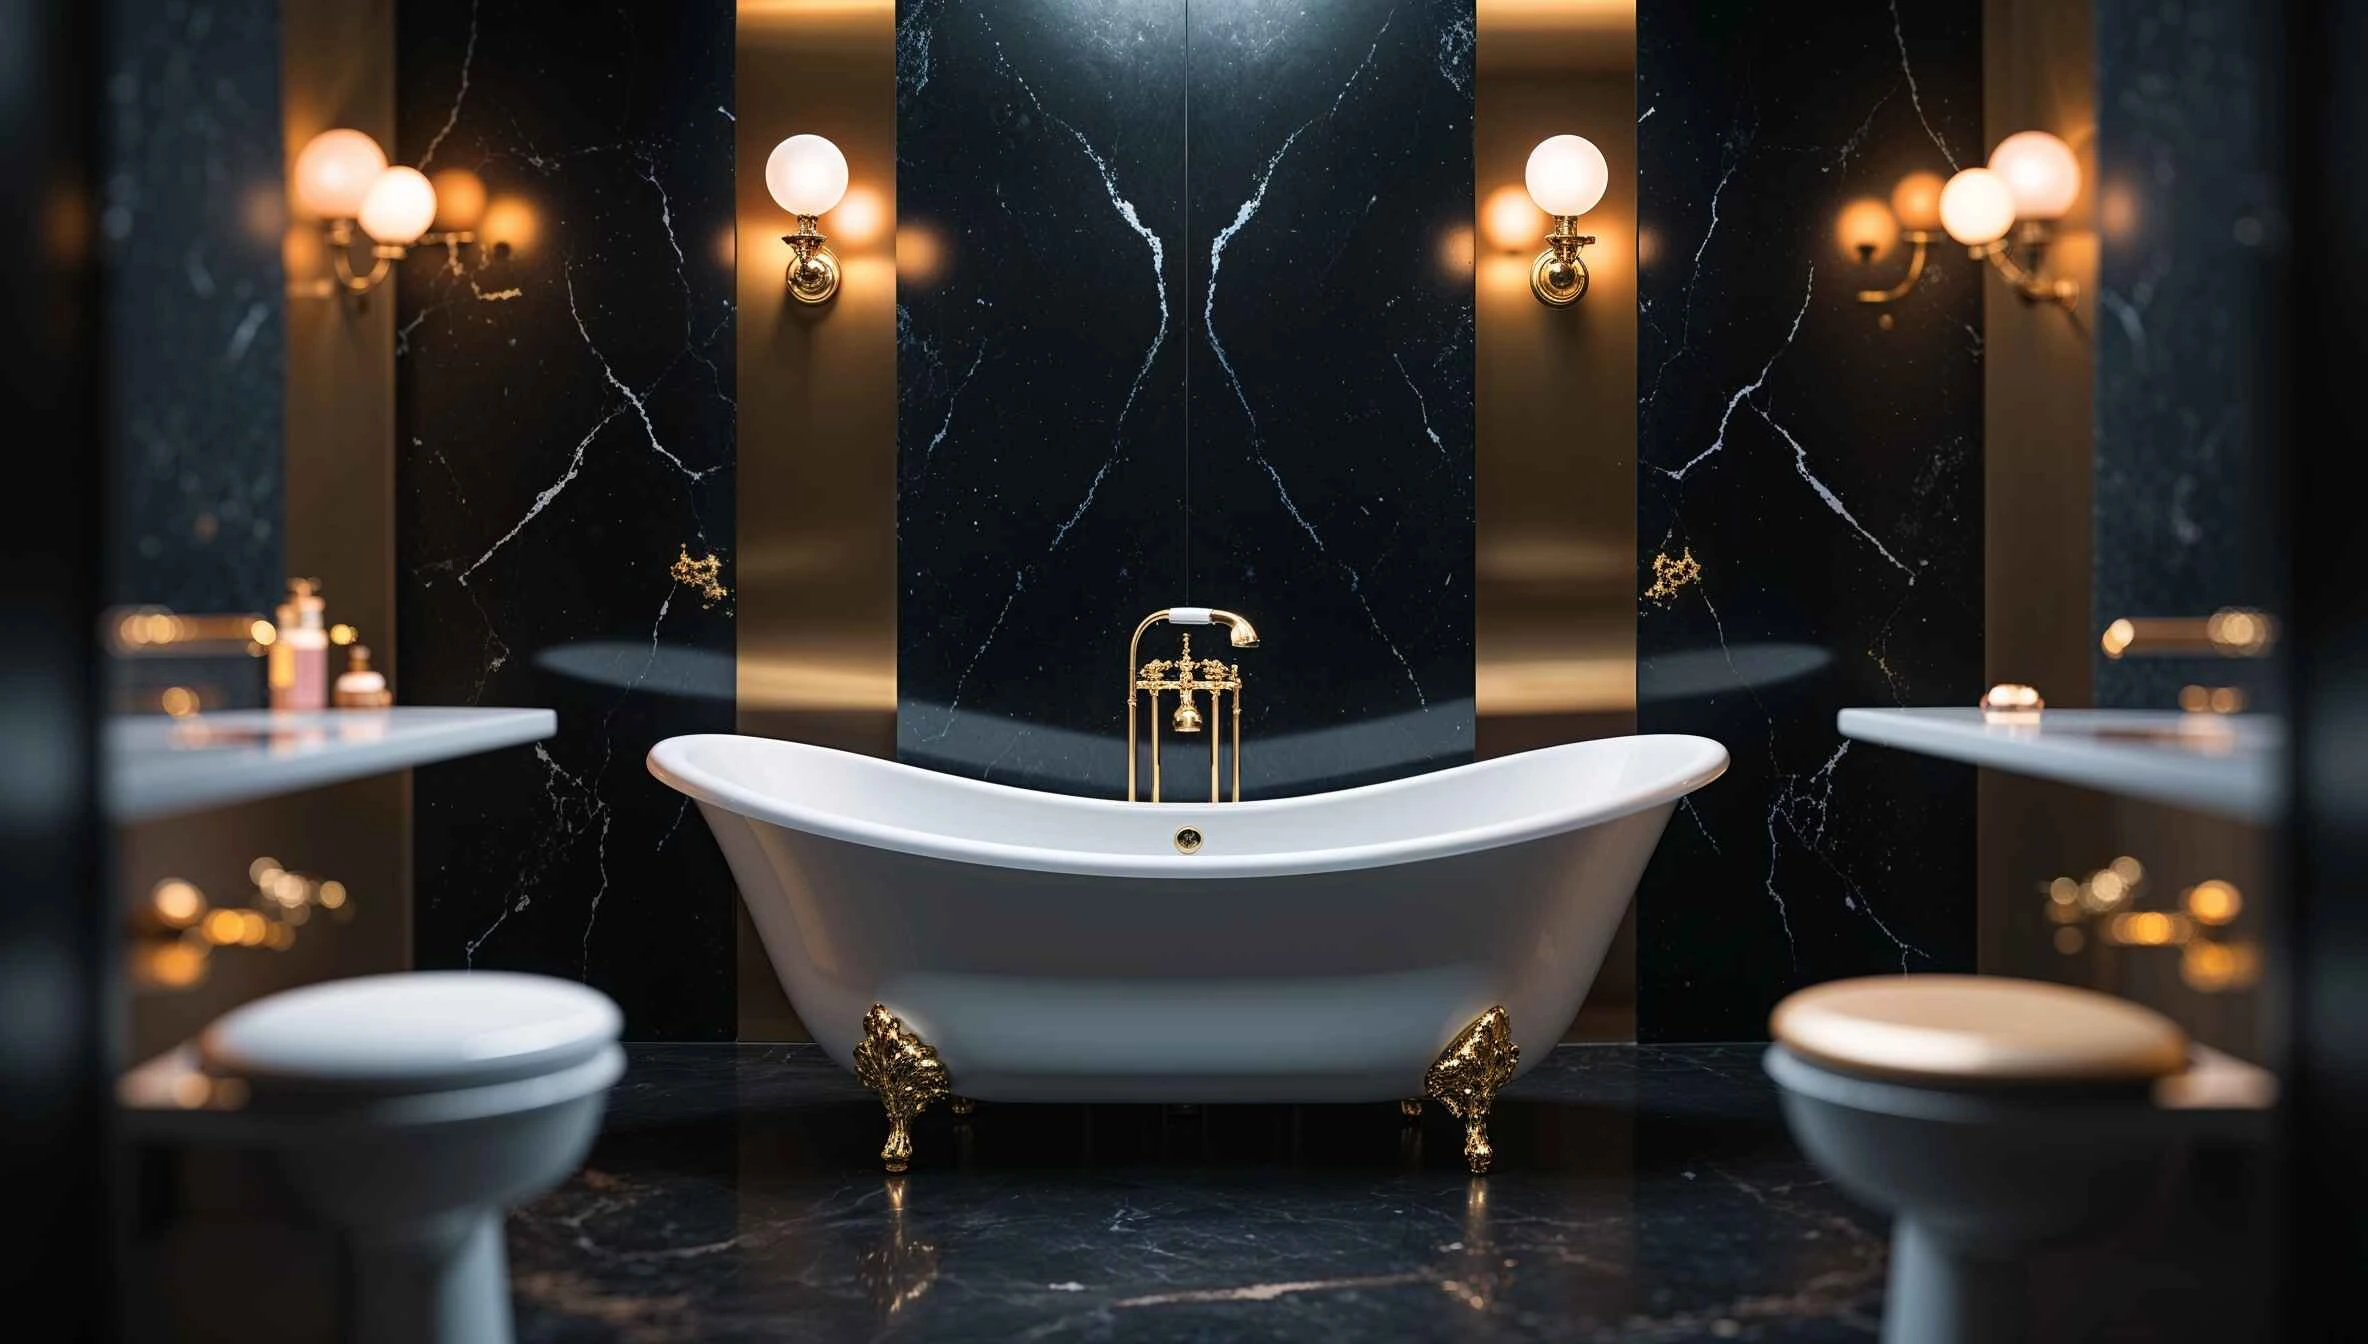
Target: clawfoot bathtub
(1427, 936)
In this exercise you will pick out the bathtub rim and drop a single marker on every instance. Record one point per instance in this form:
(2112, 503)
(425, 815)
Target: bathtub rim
(1703, 761)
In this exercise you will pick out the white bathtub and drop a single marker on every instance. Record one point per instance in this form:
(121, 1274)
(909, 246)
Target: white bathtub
(1313, 949)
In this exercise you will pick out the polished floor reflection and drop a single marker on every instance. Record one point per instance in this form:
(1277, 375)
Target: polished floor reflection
(1640, 1193)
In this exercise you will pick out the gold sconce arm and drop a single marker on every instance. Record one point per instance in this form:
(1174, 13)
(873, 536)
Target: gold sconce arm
(1919, 248)
(341, 258)
(813, 275)
(343, 236)
(2025, 278)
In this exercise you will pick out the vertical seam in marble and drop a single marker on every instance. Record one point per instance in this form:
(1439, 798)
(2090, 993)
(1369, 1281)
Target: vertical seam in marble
(1241, 218)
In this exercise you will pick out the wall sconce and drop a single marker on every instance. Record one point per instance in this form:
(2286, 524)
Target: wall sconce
(1566, 176)
(343, 180)
(807, 176)
(2011, 206)
(1867, 228)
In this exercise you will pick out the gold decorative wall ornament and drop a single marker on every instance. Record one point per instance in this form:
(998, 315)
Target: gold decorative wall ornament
(1670, 574)
(1188, 678)
(905, 1071)
(1467, 1074)
(704, 574)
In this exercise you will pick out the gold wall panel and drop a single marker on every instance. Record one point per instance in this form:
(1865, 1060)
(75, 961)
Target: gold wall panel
(2039, 73)
(1556, 391)
(336, 69)
(817, 397)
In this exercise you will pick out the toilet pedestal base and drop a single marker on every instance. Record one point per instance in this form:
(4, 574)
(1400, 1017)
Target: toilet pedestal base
(1940, 1294)
(444, 1282)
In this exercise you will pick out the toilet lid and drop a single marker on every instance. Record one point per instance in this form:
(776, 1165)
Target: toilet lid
(1977, 1030)
(417, 1032)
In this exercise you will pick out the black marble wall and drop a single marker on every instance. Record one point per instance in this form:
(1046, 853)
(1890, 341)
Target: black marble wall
(565, 438)
(1200, 332)
(192, 209)
(2189, 143)
(1810, 495)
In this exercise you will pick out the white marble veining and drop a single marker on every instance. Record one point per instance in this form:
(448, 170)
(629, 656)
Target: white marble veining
(2226, 765)
(162, 767)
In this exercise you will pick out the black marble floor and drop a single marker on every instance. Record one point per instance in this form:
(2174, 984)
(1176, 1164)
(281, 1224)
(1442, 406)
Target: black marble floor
(1640, 1193)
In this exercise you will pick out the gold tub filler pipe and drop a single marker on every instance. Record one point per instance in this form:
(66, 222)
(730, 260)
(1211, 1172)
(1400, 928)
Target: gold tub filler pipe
(1188, 678)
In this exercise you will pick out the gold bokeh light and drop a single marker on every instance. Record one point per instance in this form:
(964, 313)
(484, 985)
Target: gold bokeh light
(1867, 229)
(1512, 220)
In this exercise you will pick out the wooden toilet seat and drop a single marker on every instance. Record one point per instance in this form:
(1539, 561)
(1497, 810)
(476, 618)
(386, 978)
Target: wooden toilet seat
(1977, 1031)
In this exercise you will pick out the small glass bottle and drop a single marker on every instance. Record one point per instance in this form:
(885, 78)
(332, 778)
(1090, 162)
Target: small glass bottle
(358, 687)
(280, 664)
(309, 644)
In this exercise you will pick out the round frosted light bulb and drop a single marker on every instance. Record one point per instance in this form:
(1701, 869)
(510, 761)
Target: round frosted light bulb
(2041, 171)
(806, 174)
(334, 171)
(1867, 228)
(1916, 201)
(1977, 207)
(399, 207)
(1566, 175)
(460, 199)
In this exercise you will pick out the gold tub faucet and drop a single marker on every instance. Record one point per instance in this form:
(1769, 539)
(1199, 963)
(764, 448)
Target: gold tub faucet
(1188, 678)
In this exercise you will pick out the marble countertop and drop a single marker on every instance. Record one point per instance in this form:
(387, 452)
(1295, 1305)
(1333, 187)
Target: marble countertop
(2227, 765)
(160, 767)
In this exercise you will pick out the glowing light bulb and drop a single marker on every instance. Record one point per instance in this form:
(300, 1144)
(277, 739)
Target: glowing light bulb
(460, 199)
(1916, 202)
(1566, 175)
(1977, 207)
(1867, 228)
(806, 174)
(334, 171)
(399, 207)
(2041, 171)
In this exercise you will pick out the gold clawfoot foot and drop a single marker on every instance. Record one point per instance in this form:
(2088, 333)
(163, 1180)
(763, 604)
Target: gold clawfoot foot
(905, 1071)
(1467, 1074)
(964, 1106)
(1410, 1108)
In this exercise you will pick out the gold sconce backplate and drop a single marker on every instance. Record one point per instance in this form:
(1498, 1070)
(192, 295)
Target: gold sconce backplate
(1559, 276)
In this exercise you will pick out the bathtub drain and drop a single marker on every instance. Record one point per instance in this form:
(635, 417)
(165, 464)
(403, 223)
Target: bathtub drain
(1187, 840)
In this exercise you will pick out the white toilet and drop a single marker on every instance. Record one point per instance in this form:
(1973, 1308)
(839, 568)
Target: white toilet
(406, 1111)
(1991, 1118)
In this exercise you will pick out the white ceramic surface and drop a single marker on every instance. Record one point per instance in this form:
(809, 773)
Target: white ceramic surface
(2229, 765)
(161, 767)
(421, 1031)
(1054, 948)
